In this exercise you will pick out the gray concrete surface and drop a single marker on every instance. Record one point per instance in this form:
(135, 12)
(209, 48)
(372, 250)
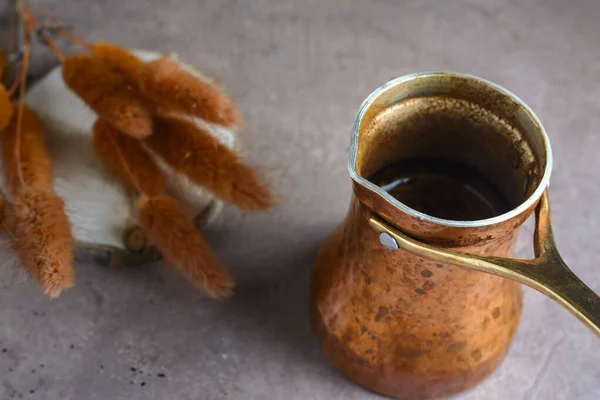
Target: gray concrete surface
(299, 70)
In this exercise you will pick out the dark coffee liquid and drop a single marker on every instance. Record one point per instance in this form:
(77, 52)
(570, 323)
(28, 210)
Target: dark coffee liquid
(442, 189)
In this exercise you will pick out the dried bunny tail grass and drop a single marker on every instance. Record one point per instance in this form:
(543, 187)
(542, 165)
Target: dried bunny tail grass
(207, 162)
(42, 238)
(167, 226)
(127, 159)
(6, 108)
(108, 93)
(167, 83)
(32, 163)
(120, 60)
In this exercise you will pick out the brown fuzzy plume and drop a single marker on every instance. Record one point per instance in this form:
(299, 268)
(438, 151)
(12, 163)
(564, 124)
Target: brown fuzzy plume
(108, 93)
(197, 154)
(165, 82)
(127, 159)
(120, 60)
(6, 108)
(42, 238)
(173, 233)
(33, 161)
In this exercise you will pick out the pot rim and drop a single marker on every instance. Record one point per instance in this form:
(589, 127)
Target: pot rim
(524, 206)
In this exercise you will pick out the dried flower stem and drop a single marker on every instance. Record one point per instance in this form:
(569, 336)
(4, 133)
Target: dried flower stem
(20, 105)
(34, 22)
(66, 33)
(28, 24)
(53, 48)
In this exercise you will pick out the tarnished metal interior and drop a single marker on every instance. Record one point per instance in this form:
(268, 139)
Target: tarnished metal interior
(460, 119)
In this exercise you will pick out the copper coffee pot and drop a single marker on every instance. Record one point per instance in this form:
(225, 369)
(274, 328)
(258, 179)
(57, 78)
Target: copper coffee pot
(419, 307)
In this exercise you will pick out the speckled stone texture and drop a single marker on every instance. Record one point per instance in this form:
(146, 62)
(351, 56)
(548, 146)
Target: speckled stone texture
(299, 70)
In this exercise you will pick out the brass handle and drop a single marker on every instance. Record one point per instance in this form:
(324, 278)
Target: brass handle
(546, 273)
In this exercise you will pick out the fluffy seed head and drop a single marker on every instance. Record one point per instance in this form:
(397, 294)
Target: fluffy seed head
(197, 154)
(165, 82)
(120, 60)
(42, 238)
(167, 226)
(108, 93)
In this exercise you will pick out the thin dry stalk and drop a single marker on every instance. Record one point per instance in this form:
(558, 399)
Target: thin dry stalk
(35, 23)
(68, 35)
(53, 48)
(20, 104)
(167, 226)
(65, 32)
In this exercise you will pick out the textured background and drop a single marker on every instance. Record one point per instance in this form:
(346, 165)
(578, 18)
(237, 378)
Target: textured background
(299, 71)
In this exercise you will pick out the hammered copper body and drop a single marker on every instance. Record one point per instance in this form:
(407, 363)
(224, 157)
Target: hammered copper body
(409, 322)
